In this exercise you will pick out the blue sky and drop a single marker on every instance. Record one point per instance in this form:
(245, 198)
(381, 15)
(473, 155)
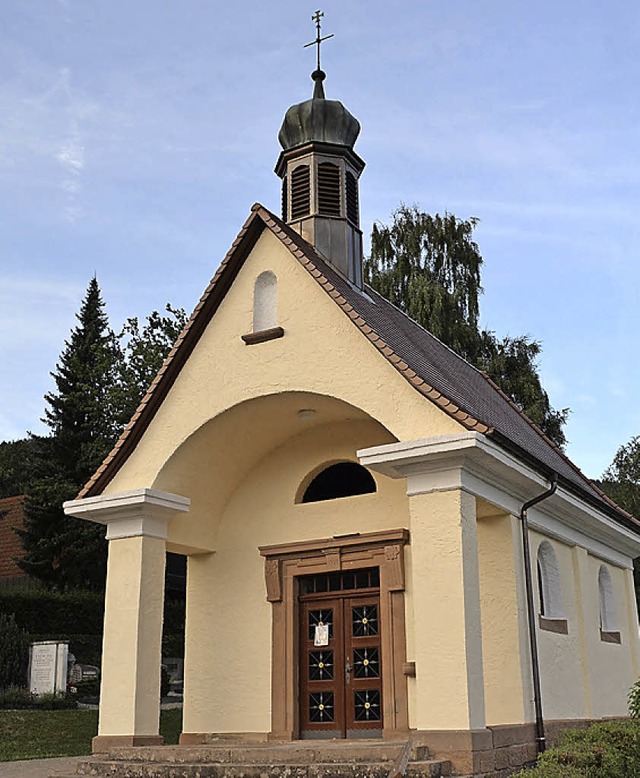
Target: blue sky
(134, 137)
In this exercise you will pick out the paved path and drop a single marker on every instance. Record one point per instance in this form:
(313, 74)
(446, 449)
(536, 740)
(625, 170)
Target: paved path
(40, 768)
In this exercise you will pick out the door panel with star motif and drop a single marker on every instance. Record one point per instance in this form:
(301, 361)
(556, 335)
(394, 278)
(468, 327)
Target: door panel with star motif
(340, 672)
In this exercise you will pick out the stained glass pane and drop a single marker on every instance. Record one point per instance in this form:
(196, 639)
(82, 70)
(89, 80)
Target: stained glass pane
(367, 705)
(321, 665)
(366, 663)
(321, 706)
(319, 617)
(364, 621)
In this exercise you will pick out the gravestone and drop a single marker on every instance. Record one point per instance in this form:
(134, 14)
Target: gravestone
(48, 667)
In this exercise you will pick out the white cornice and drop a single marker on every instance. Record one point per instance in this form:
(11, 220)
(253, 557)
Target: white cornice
(136, 513)
(473, 462)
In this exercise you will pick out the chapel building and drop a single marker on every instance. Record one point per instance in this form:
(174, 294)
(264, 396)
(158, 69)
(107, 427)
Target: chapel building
(347, 492)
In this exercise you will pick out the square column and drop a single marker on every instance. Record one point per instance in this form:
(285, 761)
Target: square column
(137, 524)
(449, 686)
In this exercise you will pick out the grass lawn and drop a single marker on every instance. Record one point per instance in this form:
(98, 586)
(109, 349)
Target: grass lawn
(37, 734)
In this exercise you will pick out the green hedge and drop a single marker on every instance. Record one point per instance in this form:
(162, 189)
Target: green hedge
(77, 616)
(45, 612)
(605, 750)
(14, 652)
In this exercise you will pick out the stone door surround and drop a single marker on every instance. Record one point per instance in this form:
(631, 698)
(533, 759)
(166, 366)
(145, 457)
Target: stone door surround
(283, 566)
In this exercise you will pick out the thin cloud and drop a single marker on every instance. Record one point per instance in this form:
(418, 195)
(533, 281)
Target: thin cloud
(44, 309)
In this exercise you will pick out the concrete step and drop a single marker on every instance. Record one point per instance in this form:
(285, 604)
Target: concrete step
(125, 769)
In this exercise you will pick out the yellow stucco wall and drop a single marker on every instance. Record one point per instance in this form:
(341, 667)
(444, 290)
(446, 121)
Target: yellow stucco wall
(582, 676)
(611, 665)
(322, 353)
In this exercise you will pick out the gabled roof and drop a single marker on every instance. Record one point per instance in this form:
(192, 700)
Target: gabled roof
(460, 390)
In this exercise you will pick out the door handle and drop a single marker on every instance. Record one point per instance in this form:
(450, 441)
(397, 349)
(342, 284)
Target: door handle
(347, 671)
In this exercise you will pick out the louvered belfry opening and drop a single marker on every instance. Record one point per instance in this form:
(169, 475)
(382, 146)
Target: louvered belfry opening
(320, 173)
(285, 193)
(352, 200)
(328, 189)
(300, 192)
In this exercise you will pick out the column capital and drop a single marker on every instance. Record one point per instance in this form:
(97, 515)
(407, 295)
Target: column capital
(135, 513)
(462, 460)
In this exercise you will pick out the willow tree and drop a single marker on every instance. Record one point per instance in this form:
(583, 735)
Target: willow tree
(430, 268)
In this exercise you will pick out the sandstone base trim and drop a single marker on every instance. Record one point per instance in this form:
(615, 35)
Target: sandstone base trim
(104, 743)
(494, 752)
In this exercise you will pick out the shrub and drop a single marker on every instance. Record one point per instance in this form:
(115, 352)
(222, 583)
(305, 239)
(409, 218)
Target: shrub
(88, 688)
(605, 750)
(633, 700)
(15, 698)
(165, 680)
(14, 653)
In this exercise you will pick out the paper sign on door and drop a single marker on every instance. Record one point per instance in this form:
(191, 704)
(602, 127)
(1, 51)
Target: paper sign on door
(321, 635)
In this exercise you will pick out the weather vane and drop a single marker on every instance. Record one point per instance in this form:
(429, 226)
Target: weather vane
(316, 18)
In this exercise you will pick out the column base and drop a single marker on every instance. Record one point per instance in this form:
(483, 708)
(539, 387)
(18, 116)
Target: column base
(103, 743)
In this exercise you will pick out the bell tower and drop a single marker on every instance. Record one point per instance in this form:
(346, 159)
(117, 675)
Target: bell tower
(320, 175)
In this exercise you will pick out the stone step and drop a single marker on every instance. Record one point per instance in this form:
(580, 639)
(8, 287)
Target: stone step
(125, 769)
(304, 753)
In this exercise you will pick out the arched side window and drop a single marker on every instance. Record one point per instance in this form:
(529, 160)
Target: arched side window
(549, 585)
(265, 301)
(343, 479)
(608, 619)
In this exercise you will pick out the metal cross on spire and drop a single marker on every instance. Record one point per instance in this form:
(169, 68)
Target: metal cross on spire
(316, 18)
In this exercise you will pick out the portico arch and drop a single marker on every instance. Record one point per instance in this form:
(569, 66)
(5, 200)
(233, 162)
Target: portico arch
(241, 471)
(212, 463)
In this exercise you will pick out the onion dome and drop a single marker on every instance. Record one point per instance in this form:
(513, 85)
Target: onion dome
(318, 119)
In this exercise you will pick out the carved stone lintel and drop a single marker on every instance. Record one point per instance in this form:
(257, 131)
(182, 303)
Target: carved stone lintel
(333, 559)
(273, 579)
(394, 563)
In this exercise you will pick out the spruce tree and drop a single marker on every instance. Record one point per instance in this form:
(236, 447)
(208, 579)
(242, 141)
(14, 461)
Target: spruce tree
(61, 551)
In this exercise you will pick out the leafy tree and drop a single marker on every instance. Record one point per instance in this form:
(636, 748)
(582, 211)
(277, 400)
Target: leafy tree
(17, 466)
(621, 480)
(61, 551)
(512, 364)
(143, 352)
(430, 267)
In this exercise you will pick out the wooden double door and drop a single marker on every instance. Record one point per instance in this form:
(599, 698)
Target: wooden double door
(340, 656)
